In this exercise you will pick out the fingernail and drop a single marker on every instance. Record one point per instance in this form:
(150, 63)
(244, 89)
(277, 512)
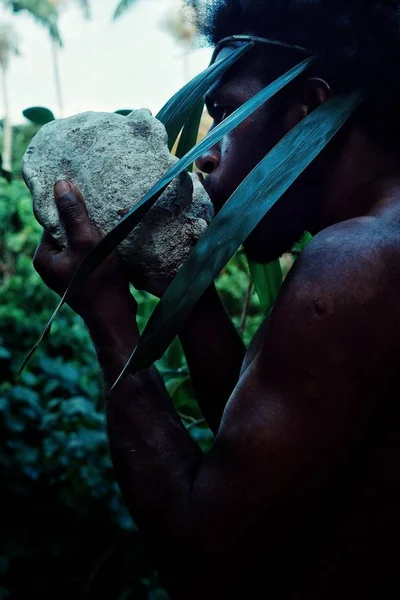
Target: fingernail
(61, 188)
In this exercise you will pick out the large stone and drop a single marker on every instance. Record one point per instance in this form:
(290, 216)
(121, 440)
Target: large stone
(114, 160)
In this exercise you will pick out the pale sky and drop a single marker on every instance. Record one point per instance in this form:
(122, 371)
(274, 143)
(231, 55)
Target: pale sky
(105, 65)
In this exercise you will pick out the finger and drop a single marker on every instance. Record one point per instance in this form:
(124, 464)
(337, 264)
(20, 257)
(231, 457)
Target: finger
(45, 253)
(74, 217)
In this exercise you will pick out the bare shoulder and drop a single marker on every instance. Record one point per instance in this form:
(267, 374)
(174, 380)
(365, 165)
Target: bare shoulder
(339, 307)
(346, 279)
(350, 265)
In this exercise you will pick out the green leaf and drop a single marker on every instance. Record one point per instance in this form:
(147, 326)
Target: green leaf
(132, 218)
(178, 109)
(267, 281)
(268, 278)
(190, 132)
(256, 195)
(299, 247)
(39, 115)
(124, 111)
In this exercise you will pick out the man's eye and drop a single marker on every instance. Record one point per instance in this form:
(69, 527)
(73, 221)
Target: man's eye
(221, 112)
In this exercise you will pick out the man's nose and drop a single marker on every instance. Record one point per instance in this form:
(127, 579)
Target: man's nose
(209, 161)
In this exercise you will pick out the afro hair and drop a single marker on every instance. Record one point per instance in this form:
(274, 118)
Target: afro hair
(357, 42)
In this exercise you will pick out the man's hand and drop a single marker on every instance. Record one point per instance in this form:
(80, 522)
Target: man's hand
(57, 267)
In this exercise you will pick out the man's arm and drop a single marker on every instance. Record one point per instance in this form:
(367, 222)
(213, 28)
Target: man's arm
(293, 422)
(215, 353)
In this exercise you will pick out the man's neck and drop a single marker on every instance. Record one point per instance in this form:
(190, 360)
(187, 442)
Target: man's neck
(361, 179)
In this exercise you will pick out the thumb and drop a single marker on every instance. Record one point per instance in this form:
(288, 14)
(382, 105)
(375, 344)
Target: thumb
(73, 215)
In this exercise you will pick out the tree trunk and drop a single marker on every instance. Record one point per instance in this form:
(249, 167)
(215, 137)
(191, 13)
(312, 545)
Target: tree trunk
(57, 78)
(7, 129)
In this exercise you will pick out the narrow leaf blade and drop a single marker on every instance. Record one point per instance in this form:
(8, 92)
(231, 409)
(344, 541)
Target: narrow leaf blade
(267, 281)
(190, 132)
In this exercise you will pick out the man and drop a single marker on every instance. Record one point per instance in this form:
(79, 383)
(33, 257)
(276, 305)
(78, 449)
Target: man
(299, 496)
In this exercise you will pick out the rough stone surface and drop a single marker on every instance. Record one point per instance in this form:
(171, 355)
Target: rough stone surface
(114, 160)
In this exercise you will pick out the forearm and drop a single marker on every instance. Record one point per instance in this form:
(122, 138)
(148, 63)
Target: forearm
(215, 353)
(154, 457)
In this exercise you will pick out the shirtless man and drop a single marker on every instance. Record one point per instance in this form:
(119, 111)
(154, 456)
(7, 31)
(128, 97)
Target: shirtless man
(299, 496)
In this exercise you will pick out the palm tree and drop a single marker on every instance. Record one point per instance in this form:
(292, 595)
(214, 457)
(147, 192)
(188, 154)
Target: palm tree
(46, 13)
(8, 48)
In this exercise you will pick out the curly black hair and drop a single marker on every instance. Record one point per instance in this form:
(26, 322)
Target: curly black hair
(357, 41)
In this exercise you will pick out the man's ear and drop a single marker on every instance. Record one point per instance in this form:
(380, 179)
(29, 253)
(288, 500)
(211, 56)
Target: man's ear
(313, 92)
(318, 90)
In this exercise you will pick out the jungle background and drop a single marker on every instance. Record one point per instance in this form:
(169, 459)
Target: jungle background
(64, 529)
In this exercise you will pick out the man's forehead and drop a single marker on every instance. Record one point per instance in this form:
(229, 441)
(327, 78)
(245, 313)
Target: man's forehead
(235, 74)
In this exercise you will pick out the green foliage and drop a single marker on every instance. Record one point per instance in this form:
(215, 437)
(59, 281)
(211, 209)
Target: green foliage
(267, 281)
(58, 489)
(22, 135)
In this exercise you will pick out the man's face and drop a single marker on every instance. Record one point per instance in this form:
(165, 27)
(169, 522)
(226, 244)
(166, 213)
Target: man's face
(232, 159)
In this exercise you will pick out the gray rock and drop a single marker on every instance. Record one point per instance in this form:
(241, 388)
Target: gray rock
(114, 160)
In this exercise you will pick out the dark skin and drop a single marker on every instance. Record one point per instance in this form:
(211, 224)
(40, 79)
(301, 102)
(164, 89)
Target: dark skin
(278, 503)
